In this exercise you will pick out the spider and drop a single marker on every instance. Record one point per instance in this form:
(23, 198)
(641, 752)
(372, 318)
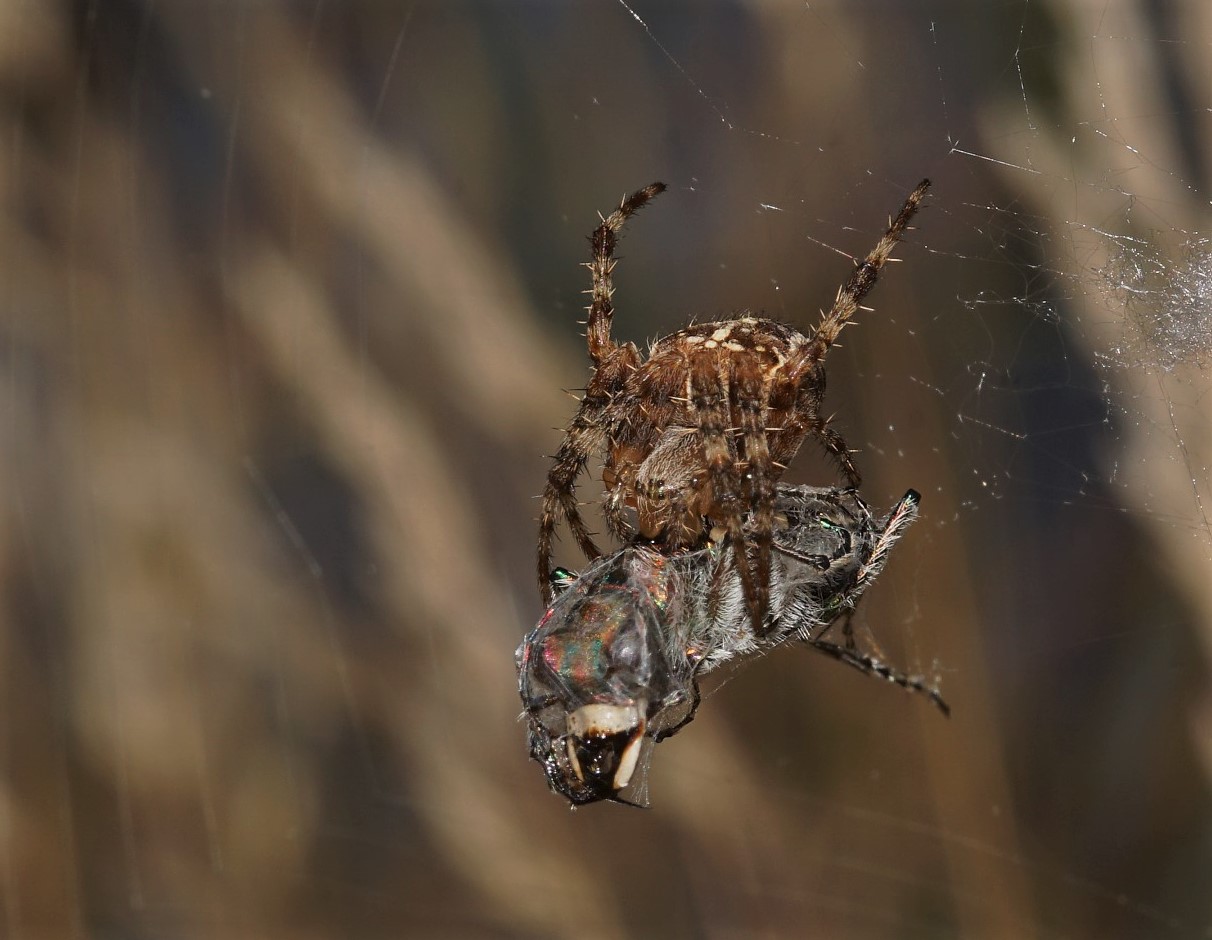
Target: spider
(696, 436)
(616, 659)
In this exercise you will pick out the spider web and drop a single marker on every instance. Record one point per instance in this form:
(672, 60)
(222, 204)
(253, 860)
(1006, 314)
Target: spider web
(291, 294)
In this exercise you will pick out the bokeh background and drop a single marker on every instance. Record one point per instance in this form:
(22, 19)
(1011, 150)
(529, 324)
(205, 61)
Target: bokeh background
(288, 301)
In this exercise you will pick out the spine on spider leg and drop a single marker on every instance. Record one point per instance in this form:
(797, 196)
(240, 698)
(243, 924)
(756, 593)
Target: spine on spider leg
(850, 295)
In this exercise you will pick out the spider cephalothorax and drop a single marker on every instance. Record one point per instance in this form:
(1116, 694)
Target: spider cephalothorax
(696, 436)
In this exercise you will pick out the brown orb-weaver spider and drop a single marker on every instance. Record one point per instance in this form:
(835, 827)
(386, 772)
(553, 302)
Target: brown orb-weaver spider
(696, 436)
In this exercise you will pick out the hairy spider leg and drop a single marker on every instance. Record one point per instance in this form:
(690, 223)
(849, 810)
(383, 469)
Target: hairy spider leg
(709, 398)
(807, 364)
(601, 267)
(749, 397)
(805, 419)
(866, 272)
(584, 436)
(612, 364)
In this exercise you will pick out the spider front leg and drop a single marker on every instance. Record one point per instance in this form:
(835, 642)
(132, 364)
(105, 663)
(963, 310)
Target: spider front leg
(585, 436)
(601, 267)
(806, 369)
(710, 400)
(810, 377)
(837, 446)
(559, 498)
(866, 272)
(618, 477)
(750, 394)
(612, 362)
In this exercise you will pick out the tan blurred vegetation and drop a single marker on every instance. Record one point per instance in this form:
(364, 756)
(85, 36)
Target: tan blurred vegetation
(289, 298)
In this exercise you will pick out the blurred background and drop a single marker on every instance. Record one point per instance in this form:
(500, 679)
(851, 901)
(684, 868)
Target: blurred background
(289, 296)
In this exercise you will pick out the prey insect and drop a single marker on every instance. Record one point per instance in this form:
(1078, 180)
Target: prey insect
(613, 666)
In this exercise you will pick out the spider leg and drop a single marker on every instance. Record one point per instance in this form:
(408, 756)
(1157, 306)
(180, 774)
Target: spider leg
(619, 477)
(840, 450)
(850, 295)
(612, 363)
(805, 368)
(749, 400)
(584, 436)
(806, 419)
(710, 402)
(559, 498)
(603, 240)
